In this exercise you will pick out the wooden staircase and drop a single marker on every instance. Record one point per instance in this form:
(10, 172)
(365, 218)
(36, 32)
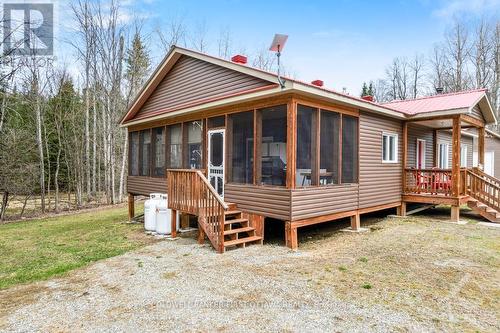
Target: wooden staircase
(237, 229)
(484, 194)
(189, 191)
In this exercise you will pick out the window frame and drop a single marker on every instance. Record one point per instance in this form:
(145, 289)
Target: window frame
(440, 155)
(390, 135)
(463, 161)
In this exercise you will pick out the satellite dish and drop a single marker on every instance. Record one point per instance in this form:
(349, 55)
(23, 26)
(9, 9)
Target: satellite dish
(278, 43)
(277, 46)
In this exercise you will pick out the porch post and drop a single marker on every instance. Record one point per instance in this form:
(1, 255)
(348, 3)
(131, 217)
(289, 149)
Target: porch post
(173, 223)
(131, 207)
(405, 153)
(481, 146)
(291, 138)
(291, 236)
(455, 168)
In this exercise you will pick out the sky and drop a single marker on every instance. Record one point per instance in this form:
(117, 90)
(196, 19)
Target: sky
(344, 43)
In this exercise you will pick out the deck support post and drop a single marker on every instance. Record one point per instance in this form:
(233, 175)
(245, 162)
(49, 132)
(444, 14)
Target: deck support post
(131, 207)
(401, 210)
(173, 223)
(405, 154)
(291, 236)
(355, 222)
(455, 213)
(201, 235)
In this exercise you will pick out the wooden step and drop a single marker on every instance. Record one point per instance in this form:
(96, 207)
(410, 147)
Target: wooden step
(238, 230)
(242, 241)
(232, 212)
(226, 222)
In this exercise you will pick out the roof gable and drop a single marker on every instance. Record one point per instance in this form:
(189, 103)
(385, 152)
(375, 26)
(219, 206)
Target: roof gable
(182, 81)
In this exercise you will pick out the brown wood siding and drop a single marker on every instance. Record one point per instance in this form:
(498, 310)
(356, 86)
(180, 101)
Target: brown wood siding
(379, 183)
(262, 200)
(424, 133)
(192, 80)
(476, 113)
(324, 200)
(492, 144)
(445, 137)
(146, 185)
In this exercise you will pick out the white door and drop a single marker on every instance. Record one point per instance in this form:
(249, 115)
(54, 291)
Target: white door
(420, 154)
(489, 163)
(216, 160)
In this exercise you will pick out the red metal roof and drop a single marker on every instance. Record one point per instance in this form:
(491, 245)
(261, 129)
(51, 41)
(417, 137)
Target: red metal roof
(451, 101)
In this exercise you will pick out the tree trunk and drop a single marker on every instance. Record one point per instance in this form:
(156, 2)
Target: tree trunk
(124, 165)
(24, 205)
(39, 143)
(5, 200)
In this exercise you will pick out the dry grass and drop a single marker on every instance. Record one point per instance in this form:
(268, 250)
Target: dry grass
(437, 271)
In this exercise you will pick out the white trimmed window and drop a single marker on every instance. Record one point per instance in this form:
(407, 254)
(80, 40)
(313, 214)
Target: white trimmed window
(463, 156)
(389, 148)
(444, 151)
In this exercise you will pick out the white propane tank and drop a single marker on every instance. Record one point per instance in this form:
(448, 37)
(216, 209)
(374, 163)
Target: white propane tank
(150, 211)
(150, 215)
(164, 218)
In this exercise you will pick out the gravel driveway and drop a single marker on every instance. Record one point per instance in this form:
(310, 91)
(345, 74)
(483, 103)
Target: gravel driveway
(181, 286)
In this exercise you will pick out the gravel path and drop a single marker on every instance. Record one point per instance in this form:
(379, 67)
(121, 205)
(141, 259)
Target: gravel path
(181, 286)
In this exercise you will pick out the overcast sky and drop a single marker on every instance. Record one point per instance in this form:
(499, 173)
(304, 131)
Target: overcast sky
(341, 42)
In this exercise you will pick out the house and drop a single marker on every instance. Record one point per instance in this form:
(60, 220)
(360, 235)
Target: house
(492, 154)
(237, 148)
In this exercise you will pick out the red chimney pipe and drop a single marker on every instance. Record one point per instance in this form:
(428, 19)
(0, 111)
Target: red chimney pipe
(239, 59)
(367, 98)
(318, 83)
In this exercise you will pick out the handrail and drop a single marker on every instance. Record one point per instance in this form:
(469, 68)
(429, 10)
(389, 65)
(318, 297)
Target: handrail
(212, 190)
(483, 189)
(481, 173)
(189, 191)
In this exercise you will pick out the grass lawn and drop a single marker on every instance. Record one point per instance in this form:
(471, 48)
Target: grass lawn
(39, 249)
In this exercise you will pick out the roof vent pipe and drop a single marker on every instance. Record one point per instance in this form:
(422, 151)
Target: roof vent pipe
(439, 90)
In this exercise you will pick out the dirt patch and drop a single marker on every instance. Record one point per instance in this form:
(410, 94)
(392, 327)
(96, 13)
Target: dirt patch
(414, 274)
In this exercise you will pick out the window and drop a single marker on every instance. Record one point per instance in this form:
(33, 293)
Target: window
(389, 148)
(349, 149)
(273, 145)
(463, 156)
(159, 151)
(443, 152)
(329, 148)
(175, 146)
(194, 147)
(134, 154)
(145, 152)
(241, 148)
(306, 146)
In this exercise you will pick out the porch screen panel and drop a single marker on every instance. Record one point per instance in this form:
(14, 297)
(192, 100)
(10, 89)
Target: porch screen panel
(145, 152)
(194, 144)
(349, 149)
(306, 146)
(273, 145)
(134, 154)
(159, 152)
(175, 149)
(241, 162)
(329, 148)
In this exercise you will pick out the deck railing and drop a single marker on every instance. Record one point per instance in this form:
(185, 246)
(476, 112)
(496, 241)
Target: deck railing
(483, 187)
(189, 191)
(428, 181)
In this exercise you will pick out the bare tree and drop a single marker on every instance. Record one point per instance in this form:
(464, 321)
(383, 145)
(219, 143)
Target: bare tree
(457, 50)
(174, 33)
(224, 43)
(417, 65)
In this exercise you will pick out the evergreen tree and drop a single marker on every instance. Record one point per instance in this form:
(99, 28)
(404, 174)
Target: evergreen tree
(371, 91)
(138, 64)
(364, 91)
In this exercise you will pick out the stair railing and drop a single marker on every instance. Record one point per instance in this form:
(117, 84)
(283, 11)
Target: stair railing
(484, 188)
(189, 191)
